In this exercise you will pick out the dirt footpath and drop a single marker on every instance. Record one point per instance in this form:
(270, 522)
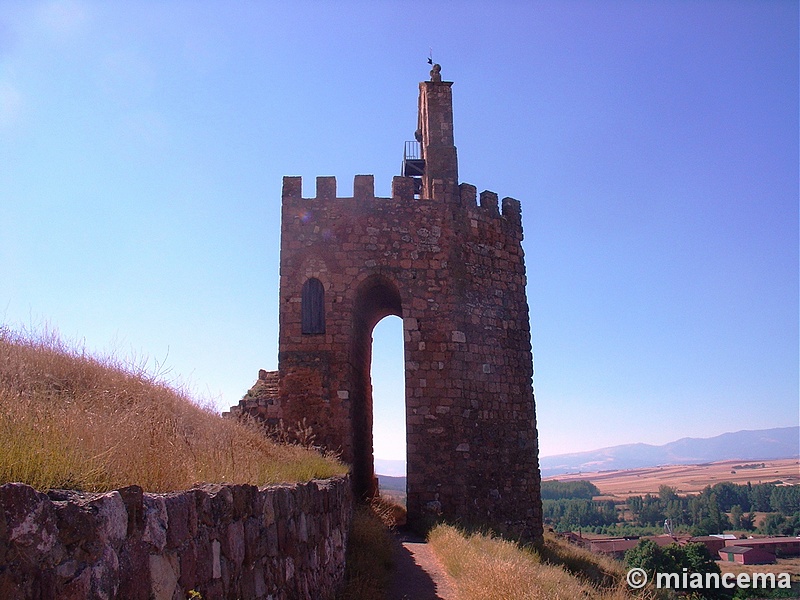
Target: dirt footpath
(418, 573)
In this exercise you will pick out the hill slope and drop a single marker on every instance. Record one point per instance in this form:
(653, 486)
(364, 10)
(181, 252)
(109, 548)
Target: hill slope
(764, 444)
(71, 420)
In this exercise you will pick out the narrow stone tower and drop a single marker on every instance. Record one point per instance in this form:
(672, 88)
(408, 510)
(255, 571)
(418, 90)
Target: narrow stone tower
(452, 268)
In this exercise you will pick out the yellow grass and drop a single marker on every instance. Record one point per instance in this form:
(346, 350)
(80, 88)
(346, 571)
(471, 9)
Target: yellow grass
(388, 511)
(484, 567)
(71, 420)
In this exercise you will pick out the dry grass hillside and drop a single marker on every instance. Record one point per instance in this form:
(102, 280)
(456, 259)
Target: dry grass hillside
(70, 420)
(484, 567)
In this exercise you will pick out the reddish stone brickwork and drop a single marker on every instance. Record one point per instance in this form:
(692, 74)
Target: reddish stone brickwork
(261, 400)
(452, 268)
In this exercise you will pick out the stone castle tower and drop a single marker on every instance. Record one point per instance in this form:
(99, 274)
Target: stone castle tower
(452, 268)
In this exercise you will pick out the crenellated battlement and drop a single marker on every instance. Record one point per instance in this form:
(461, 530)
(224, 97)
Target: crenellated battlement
(487, 203)
(363, 188)
(511, 208)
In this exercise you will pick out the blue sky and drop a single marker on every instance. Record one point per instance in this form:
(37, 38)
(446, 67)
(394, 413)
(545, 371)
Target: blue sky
(653, 145)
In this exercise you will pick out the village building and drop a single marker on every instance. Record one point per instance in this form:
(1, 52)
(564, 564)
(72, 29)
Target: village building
(714, 543)
(617, 547)
(780, 546)
(746, 556)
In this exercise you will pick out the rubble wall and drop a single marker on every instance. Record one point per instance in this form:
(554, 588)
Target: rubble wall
(221, 541)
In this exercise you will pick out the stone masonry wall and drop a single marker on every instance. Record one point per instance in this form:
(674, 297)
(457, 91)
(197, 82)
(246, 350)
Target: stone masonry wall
(451, 265)
(453, 269)
(223, 541)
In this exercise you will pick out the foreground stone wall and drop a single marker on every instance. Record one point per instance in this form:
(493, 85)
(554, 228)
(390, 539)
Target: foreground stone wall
(223, 541)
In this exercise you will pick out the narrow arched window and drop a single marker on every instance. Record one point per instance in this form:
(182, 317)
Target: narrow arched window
(313, 307)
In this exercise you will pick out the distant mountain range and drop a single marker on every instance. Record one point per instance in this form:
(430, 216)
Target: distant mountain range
(763, 444)
(397, 484)
(395, 468)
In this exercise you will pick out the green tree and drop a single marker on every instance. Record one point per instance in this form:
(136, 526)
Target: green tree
(648, 556)
(635, 504)
(785, 499)
(736, 516)
(608, 512)
(792, 525)
(759, 497)
(675, 511)
(728, 494)
(695, 558)
(558, 490)
(667, 493)
(697, 510)
(773, 524)
(747, 522)
(717, 520)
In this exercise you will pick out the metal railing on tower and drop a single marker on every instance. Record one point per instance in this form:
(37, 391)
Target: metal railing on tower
(413, 164)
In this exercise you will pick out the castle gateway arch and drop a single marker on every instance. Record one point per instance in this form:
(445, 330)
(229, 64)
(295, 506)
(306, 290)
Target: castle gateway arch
(450, 264)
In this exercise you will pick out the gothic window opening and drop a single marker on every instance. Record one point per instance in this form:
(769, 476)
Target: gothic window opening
(313, 307)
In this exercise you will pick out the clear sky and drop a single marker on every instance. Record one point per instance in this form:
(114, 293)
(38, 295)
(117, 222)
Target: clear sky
(653, 145)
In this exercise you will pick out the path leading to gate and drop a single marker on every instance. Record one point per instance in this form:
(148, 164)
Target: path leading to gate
(418, 573)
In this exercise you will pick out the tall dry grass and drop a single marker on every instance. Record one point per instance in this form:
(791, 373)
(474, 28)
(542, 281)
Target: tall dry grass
(484, 567)
(71, 420)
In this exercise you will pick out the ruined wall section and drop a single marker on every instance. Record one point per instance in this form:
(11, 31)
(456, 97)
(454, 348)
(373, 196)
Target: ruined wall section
(261, 401)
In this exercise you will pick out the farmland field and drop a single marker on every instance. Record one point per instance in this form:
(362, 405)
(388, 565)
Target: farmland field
(688, 479)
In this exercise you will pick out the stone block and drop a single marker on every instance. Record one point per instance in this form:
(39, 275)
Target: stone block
(30, 520)
(163, 576)
(155, 522)
(364, 187)
(326, 188)
(403, 189)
